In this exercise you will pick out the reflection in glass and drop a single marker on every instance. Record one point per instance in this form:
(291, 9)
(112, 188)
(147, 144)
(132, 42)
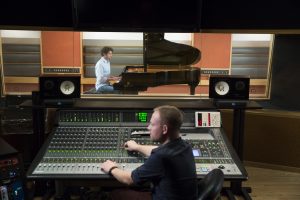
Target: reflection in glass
(237, 54)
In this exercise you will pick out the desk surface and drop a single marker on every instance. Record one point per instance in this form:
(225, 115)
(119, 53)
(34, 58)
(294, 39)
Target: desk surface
(227, 104)
(144, 103)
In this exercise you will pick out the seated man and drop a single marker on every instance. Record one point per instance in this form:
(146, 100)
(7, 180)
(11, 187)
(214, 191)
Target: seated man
(170, 167)
(102, 70)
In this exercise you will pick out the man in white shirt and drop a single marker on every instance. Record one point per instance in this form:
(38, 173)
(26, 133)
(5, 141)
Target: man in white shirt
(102, 70)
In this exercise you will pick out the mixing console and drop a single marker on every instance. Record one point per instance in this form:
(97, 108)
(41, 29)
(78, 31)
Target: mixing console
(74, 150)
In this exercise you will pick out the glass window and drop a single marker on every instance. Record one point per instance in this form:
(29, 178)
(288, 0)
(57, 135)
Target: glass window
(221, 53)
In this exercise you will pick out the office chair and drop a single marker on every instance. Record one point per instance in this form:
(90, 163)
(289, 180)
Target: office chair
(210, 186)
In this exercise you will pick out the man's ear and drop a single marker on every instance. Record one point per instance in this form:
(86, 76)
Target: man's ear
(165, 129)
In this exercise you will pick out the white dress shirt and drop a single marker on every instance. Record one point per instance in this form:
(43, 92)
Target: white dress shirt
(102, 70)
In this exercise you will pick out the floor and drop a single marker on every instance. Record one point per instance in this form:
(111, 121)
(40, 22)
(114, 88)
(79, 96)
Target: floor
(268, 184)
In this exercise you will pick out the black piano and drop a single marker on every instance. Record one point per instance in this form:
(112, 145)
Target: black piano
(175, 58)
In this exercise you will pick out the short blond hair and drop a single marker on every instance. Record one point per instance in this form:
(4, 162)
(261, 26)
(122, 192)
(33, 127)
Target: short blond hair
(171, 116)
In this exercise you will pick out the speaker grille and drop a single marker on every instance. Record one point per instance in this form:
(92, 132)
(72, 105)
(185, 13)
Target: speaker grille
(229, 87)
(52, 87)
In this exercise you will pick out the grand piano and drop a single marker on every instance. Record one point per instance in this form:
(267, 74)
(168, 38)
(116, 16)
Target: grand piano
(173, 60)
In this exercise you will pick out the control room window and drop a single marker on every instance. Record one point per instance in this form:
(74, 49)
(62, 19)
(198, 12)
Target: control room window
(251, 56)
(128, 51)
(20, 61)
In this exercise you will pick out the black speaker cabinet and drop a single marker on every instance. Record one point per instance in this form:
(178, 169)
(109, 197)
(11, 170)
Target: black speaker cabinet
(229, 87)
(59, 87)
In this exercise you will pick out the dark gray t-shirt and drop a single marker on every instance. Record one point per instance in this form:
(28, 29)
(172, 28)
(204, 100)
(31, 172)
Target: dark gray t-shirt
(171, 169)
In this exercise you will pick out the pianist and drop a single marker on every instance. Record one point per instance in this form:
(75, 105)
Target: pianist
(102, 70)
(170, 167)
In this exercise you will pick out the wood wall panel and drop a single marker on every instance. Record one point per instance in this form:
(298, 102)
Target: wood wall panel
(61, 48)
(271, 136)
(164, 90)
(176, 89)
(20, 88)
(215, 49)
(77, 49)
(257, 89)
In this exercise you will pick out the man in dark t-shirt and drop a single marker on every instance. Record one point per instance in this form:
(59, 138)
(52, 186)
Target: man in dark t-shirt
(169, 167)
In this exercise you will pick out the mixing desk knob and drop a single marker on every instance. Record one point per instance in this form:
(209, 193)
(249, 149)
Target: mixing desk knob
(221, 167)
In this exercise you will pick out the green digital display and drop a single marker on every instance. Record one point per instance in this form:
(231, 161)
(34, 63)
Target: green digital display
(142, 117)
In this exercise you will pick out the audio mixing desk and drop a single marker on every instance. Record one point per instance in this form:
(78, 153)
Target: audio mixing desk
(83, 139)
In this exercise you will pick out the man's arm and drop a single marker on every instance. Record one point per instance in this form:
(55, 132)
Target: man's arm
(144, 149)
(113, 79)
(121, 175)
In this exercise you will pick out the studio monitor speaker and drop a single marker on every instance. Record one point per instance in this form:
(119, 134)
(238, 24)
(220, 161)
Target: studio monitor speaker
(59, 87)
(229, 87)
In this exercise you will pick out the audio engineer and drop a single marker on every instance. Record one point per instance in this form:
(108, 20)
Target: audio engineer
(170, 167)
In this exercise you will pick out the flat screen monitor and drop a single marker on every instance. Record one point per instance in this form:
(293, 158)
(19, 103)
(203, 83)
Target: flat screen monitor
(138, 15)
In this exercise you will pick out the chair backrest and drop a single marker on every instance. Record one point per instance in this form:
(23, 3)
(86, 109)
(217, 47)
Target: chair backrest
(211, 185)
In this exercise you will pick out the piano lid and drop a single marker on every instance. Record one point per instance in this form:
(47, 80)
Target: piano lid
(159, 51)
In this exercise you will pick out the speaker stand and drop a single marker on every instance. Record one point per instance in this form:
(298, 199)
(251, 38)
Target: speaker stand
(230, 103)
(239, 108)
(38, 118)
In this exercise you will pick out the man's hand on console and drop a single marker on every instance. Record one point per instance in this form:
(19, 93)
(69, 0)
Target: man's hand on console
(131, 145)
(108, 165)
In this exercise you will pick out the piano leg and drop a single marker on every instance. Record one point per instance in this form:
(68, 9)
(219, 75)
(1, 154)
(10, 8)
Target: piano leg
(192, 89)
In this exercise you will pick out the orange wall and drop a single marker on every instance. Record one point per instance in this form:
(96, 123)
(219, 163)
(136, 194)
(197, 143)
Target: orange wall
(215, 49)
(176, 89)
(60, 48)
(21, 87)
